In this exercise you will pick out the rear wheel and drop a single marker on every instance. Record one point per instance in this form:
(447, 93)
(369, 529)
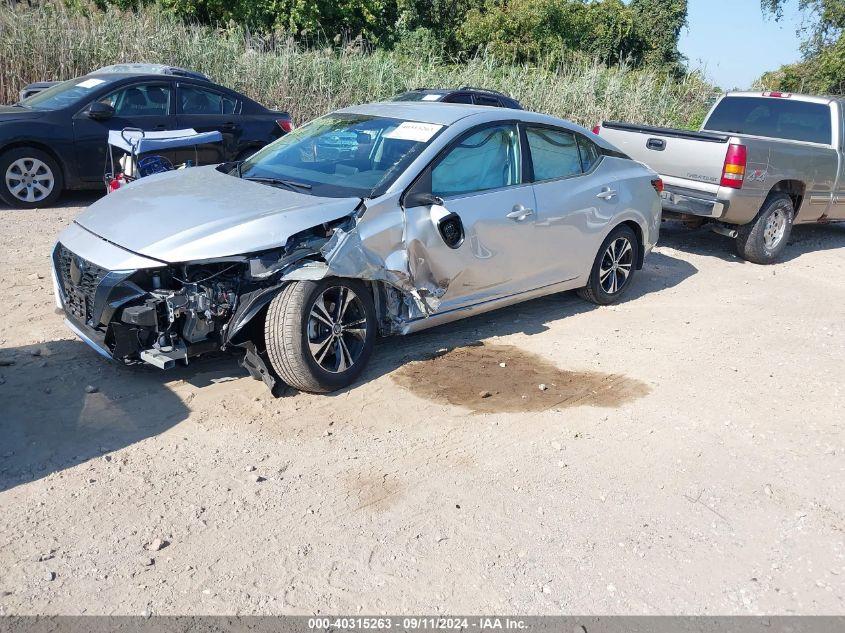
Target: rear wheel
(320, 335)
(762, 240)
(29, 178)
(613, 268)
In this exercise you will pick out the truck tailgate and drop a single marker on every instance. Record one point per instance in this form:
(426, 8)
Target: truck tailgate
(680, 154)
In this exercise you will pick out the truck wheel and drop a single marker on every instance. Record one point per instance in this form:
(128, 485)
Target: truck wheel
(613, 268)
(320, 334)
(762, 240)
(29, 178)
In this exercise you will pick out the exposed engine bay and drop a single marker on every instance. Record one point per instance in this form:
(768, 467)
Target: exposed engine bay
(161, 316)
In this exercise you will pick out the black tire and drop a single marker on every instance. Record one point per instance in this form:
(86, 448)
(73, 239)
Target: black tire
(290, 330)
(598, 289)
(757, 241)
(31, 185)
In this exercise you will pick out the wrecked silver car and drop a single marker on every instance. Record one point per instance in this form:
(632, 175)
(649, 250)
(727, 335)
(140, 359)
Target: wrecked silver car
(374, 220)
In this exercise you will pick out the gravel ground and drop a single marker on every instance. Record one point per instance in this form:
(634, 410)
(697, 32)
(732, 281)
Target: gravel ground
(687, 456)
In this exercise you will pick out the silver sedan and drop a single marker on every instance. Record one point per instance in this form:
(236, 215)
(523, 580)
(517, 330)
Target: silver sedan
(374, 220)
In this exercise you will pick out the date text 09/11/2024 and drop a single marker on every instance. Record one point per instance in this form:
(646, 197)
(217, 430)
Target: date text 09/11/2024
(439, 623)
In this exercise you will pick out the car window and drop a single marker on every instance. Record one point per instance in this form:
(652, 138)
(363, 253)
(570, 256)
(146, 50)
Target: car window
(65, 94)
(554, 153)
(487, 101)
(343, 155)
(590, 153)
(460, 97)
(777, 118)
(487, 159)
(140, 100)
(193, 100)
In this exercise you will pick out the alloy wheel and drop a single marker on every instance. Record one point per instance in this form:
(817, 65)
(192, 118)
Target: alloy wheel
(775, 229)
(29, 179)
(337, 329)
(616, 265)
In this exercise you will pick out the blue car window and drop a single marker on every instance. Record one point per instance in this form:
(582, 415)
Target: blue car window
(554, 153)
(487, 159)
(590, 154)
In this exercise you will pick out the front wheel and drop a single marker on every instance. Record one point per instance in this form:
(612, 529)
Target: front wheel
(30, 178)
(613, 268)
(762, 240)
(320, 335)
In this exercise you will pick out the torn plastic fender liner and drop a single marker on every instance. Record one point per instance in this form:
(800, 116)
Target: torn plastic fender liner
(346, 255)
(250, 304)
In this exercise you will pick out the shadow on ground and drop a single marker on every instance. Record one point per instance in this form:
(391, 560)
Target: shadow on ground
(532, 317)
(61, 405)
(805, 238)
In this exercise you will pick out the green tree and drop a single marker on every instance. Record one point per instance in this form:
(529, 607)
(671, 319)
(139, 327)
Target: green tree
(644, 32)
(822, 69)
(659, 23)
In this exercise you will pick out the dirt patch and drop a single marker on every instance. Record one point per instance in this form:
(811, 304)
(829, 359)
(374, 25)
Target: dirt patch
(504, 378)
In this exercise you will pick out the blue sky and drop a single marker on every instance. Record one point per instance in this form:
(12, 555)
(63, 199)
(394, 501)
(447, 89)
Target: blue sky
(734, 43)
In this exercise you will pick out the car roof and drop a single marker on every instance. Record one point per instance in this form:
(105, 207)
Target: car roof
(112, 77)
(425, 112)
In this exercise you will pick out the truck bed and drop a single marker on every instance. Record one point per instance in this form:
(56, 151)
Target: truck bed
(682, 157)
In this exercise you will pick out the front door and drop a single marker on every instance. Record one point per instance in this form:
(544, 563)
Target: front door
(144, 105)
(480, 179)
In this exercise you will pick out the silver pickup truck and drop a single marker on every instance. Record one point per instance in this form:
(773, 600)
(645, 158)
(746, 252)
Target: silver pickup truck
(761, 162)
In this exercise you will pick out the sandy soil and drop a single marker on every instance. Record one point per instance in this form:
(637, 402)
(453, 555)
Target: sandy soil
(687, 456)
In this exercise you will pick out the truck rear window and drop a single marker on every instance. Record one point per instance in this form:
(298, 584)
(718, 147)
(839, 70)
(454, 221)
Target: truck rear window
(776, 118)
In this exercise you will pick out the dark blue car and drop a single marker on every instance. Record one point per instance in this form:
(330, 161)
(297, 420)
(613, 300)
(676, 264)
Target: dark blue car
(56, 139)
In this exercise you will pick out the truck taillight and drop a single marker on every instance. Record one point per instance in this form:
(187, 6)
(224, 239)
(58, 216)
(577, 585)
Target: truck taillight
(285, 124)
(778, 95)
(657, 183)
(596, 129)
(735, 161)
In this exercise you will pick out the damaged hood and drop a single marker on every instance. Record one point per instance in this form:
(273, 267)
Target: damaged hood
(201, 213)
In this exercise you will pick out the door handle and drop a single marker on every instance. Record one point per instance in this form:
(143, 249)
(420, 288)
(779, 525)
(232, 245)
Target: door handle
(161, 126)
(228, 126)
(607, 194)
(520, 212)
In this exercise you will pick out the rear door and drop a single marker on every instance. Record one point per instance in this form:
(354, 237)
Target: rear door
(205, 110)
(576, 199)
(147, 105)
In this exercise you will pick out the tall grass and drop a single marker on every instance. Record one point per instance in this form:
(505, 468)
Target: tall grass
(51, 42)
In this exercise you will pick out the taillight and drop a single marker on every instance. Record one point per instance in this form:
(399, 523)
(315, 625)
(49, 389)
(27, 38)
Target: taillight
(735, 161)
(778, 95)
(285, 124)
(657, 183)
(596, 129)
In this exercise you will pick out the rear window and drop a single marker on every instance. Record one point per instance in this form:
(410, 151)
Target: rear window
(777, 118)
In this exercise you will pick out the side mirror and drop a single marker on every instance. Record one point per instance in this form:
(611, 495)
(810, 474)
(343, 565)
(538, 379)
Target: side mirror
(420, 199)
(100, 111)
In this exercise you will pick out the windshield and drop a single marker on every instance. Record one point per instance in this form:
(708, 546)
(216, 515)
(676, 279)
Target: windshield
(342, 155)
(63, 95)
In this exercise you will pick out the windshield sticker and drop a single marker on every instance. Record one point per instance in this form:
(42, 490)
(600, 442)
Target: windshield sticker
(414, 131)
(90, 83)
(430, 97)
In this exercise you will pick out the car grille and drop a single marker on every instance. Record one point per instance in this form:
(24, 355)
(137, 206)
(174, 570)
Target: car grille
(78, 279)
